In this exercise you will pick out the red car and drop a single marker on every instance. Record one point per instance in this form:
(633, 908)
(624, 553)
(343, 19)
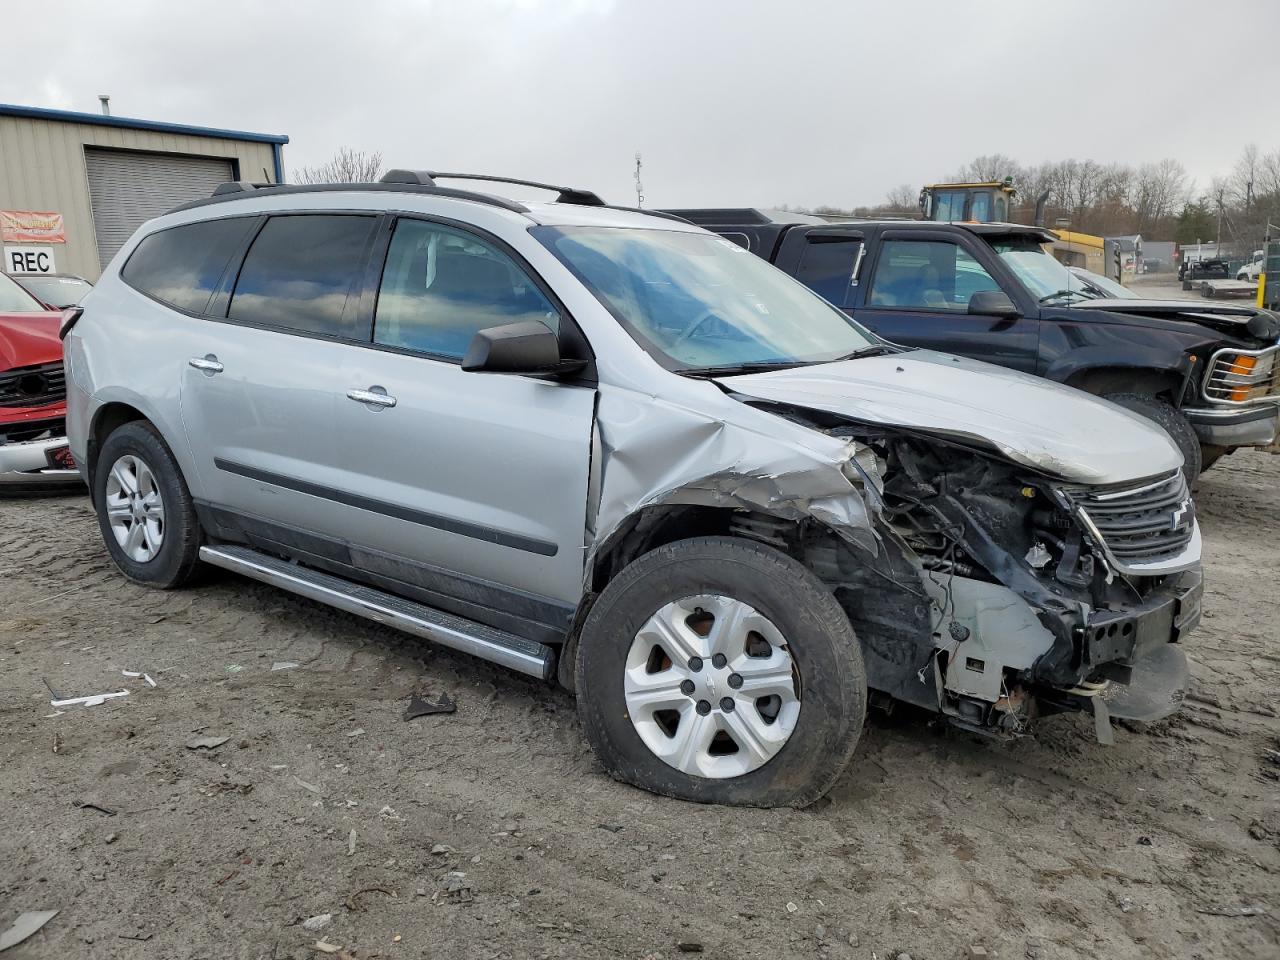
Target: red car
(33, 395)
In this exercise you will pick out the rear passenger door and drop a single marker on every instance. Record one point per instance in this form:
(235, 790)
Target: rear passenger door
(261, 389)
(919, 293)
(826, 260)
(478, 480)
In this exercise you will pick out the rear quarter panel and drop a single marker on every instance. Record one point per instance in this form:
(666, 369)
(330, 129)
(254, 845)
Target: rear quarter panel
(127, 348)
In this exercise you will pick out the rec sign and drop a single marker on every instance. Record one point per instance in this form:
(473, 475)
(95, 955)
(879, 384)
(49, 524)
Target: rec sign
(29, 260)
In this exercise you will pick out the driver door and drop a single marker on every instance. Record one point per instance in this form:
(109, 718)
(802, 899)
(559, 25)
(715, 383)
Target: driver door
(482, 475)
(919, 296)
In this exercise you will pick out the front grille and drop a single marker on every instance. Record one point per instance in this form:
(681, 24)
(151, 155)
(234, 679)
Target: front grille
(1140, 523)
(32, 430)
(33, 386)
(1243, 376)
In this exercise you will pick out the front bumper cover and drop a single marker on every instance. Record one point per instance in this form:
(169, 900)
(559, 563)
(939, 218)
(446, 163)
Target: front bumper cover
(35, 463)
(1252, 426)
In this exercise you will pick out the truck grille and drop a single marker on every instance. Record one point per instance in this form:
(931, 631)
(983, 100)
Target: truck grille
(1140, 523)
(33, 386)
(1243, 376)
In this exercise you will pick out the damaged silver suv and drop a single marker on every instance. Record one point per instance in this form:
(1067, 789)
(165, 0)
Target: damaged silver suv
(608, 448)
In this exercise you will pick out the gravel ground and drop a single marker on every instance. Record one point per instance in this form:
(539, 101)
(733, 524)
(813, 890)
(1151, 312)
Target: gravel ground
(323, 800)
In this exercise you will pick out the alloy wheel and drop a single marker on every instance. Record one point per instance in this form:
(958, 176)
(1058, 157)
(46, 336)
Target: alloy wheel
(135, 508)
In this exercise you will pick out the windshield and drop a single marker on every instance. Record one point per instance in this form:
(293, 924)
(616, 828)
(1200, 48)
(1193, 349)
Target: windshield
(13, 299)
(694, 300)
(1040, 273)
(59, 291)
(1105, 285)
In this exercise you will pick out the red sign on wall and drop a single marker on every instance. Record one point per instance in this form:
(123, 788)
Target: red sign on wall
(32, 226)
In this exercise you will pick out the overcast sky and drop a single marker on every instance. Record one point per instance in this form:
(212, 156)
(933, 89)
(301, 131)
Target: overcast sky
(731, 103)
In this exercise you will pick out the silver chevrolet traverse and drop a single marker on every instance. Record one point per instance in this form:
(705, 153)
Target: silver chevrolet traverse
(609, 449)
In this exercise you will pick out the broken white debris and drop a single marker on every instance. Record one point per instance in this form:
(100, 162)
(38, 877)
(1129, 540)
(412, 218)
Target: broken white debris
(90, 701)
(284, 665)
(324, 947)
(136, 675)
(351, 844)
(306, 786)
(318, 922)
(26, 924)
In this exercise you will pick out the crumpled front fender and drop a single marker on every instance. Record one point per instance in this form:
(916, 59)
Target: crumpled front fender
(652, 451)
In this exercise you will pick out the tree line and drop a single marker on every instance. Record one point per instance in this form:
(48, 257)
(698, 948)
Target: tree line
(1157, 200)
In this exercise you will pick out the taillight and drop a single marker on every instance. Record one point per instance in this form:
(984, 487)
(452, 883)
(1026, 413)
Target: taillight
(70, 316)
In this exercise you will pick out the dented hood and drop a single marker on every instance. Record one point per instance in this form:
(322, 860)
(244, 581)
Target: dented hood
(28, 339)
(1051, 428)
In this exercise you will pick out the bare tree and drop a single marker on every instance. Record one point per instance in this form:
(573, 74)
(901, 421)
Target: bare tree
(1159, 191)
(992, 166)
(346, 166)
(1244, 177)
(902, 197)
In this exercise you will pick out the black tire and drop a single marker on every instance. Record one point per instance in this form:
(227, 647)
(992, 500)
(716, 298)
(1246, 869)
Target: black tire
(1171, 422)
(819, 639)
(178, 557)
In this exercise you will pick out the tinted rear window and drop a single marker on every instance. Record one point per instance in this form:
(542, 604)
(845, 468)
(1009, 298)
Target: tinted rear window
(826, 268)
(301, 271)
(182, 265)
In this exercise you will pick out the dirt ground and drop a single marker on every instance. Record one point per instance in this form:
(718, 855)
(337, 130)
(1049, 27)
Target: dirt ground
(1165, 845)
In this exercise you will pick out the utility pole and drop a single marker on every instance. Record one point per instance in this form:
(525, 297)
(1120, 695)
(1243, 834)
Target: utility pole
(639, 185)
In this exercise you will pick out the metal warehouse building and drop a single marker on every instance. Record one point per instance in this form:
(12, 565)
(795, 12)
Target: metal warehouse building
(74, 186)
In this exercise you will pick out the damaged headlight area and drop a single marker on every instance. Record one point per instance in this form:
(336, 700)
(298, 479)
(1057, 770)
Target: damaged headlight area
(1004, 594)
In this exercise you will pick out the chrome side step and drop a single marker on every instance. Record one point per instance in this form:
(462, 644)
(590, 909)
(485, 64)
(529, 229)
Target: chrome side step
(457, 633)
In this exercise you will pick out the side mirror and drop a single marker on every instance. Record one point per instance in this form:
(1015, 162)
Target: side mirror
(528, 347)
(993, 303)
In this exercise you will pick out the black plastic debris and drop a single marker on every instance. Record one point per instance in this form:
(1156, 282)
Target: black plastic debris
(418, 707)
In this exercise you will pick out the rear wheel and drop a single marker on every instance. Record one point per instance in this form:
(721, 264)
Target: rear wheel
(1173, 423)
(722, 671)
(145, 511)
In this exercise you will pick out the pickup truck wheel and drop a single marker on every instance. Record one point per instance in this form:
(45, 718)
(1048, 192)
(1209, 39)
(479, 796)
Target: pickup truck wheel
(145, 511)
(720, 670)
(1171, 422)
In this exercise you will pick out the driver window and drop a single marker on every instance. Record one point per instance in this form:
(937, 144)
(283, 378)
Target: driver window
(440, 286)
(927, 275)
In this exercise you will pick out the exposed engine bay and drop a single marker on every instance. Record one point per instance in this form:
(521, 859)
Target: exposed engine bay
(1002, 594)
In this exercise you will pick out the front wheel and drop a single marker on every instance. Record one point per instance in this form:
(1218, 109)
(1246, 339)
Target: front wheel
(720, 670)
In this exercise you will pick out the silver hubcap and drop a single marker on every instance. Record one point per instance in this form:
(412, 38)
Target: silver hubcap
(711, 687)
(135, 508)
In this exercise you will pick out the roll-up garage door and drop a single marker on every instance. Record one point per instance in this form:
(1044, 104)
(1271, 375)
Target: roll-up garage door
(128, 189)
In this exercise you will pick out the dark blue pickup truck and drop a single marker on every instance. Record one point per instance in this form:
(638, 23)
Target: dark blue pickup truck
(1209, 374)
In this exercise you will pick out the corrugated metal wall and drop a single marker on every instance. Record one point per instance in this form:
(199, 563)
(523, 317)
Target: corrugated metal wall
(126, 189)
(42, 167)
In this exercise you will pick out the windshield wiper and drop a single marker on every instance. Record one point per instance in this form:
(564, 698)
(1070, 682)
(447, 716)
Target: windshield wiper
(1062, 293)
(747, 366)
(765, 366)
(875, 350)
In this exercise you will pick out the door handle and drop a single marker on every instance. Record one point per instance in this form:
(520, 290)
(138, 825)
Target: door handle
(375, 396)
(208, 363)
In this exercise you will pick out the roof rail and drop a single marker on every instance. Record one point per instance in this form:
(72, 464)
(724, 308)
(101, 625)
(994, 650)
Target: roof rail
(428, 177)
(237, 186)
(240, 189)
